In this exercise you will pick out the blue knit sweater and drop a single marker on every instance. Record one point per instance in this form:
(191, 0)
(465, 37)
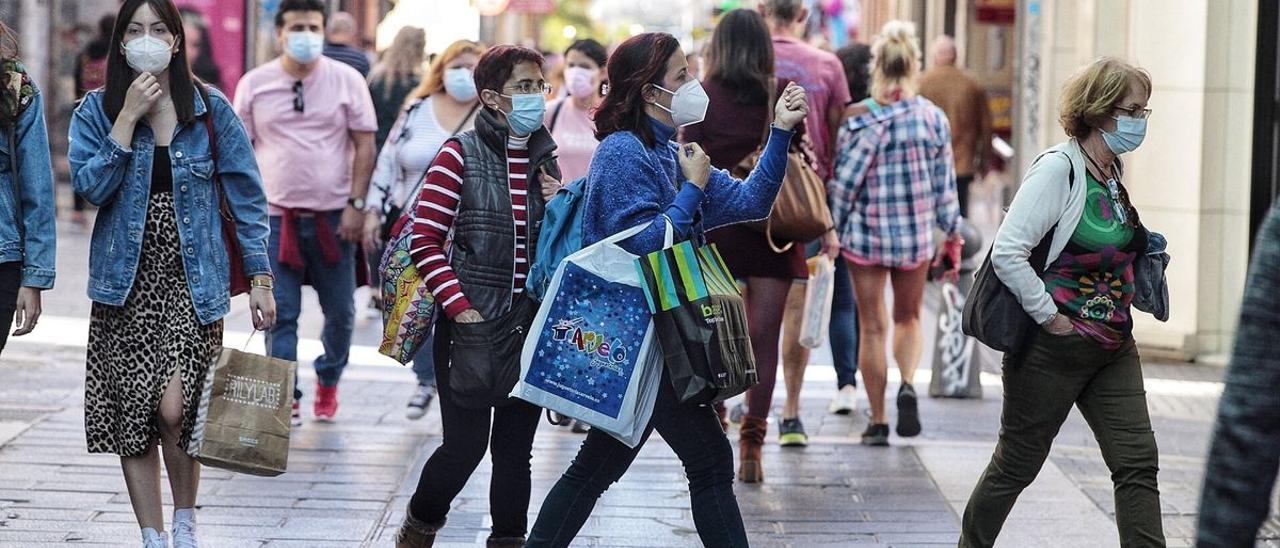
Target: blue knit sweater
(629, 184)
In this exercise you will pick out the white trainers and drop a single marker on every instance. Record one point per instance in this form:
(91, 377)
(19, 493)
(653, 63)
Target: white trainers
(152, 538)
(845, 402)
(184, 529)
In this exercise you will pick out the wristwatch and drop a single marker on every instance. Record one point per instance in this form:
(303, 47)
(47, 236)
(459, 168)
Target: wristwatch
(357, 203)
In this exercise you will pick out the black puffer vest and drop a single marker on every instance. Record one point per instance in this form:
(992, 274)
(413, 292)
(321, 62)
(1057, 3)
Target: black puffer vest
(484, 234)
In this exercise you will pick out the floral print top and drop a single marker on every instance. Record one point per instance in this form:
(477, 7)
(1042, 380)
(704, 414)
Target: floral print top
(1092, 281)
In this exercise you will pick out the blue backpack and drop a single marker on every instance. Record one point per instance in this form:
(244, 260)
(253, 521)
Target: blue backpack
(561, 236)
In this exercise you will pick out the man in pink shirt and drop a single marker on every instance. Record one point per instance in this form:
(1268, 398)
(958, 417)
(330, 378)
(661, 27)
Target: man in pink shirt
(822, 77)
(312, 123)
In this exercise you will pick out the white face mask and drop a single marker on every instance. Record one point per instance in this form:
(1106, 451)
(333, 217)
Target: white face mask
(688, 104)
(148, 54)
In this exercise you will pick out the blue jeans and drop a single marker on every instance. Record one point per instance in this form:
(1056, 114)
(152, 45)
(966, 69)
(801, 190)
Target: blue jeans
(693, 432)
(424, 362)
(844, 328)
(334, 284)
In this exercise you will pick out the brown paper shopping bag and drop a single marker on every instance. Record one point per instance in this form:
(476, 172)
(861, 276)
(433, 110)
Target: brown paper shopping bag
(243, 420)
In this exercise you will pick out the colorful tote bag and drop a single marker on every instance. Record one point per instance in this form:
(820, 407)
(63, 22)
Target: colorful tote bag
(700, 322)
(591, 353)
(408, 307)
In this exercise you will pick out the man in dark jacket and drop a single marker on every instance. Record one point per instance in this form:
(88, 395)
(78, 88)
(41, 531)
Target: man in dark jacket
(1245, 455)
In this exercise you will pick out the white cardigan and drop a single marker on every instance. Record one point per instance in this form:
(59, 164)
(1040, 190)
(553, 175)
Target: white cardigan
(1044, 199)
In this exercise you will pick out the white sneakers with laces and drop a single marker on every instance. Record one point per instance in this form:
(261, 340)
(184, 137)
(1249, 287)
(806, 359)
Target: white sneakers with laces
(845, 402)
(152, 538)
(184, 528)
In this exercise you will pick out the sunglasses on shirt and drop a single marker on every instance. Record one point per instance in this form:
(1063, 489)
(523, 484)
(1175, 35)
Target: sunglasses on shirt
(299, 104)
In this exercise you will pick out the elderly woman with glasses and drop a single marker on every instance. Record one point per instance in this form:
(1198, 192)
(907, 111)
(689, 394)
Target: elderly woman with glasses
(485, 192)
(1082, 295)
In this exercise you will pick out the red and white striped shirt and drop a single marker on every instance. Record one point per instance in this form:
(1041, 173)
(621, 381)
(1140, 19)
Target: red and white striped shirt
(437, 207)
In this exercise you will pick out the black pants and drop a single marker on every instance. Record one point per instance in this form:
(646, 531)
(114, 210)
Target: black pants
(10, 280)
(694, 433)
(467, 434)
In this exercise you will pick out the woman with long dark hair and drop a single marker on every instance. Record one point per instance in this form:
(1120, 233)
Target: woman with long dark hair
(158, 265)
(27, 234)
(740, 81)
(639, 177)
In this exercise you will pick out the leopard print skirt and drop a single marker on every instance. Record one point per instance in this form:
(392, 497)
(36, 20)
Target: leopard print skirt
(136, 349)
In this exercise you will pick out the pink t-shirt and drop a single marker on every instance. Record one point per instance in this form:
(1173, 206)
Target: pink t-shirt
(822, 77)
(575, 136)
(305, 157)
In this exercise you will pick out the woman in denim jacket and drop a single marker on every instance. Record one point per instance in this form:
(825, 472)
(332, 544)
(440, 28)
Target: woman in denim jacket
(158, 265)
(26, 196)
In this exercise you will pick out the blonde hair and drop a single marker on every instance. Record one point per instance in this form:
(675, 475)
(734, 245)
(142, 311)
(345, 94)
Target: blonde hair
(1094, 91)
(895, 61)
(401, 61)
(434, 82)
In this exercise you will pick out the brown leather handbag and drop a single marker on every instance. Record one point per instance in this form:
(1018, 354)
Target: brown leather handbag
(800, 213)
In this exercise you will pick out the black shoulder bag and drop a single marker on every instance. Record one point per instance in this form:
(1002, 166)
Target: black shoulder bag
(992, 314)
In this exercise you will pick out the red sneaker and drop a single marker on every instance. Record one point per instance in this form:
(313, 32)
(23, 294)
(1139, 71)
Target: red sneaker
(295, 417)
(326, 402)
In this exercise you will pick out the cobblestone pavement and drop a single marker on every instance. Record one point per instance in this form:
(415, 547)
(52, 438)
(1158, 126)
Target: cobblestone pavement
(349, 482)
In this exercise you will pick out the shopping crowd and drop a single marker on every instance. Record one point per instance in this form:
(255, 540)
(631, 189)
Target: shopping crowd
(322, 162)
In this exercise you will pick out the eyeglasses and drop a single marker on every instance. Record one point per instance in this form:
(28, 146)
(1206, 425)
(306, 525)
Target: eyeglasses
(530, 87)
(299, 103)
(1136, 112)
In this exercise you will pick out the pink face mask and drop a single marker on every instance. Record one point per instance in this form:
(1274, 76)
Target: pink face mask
(581, 82)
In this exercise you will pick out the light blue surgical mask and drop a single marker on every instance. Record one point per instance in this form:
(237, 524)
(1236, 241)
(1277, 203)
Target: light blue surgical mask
(304, 47)
(1128, 135)
(527, 111)
(460, 84)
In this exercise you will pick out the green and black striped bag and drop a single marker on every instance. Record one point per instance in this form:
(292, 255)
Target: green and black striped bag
(700, 321)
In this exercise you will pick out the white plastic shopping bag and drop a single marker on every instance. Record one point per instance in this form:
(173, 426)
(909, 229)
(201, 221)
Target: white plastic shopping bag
(817, 302)
(591, 353)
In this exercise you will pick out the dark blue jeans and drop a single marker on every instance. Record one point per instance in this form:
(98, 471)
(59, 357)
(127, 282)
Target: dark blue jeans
(693, 432)
(844, 328)
(424, 362)
(335, 286)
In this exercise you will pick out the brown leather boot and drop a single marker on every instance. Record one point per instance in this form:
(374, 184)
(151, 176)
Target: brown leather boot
(415, 533)
(504, 542)
(750, 442)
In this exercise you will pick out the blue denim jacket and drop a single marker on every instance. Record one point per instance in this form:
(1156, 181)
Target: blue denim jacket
(36, 247)
(118, 181)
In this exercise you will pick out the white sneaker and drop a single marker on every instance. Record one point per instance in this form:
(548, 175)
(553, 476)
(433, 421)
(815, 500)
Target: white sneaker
(420, 401)
(154, 539)
(184, 529)
(845, 402)
(184, 535)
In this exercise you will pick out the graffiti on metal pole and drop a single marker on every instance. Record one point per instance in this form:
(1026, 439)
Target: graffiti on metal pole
(955, 349)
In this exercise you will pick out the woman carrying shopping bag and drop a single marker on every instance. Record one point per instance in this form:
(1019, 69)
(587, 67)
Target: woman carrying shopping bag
(639, 176)
(485, 193)
(894, 183)
(158, 268)
(441, 107)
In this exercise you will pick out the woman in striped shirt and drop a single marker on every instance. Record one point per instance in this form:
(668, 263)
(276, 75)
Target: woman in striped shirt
(484, 195)
(446, 100)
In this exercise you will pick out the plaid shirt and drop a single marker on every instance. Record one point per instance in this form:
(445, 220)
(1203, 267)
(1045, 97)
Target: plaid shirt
(894, 181)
